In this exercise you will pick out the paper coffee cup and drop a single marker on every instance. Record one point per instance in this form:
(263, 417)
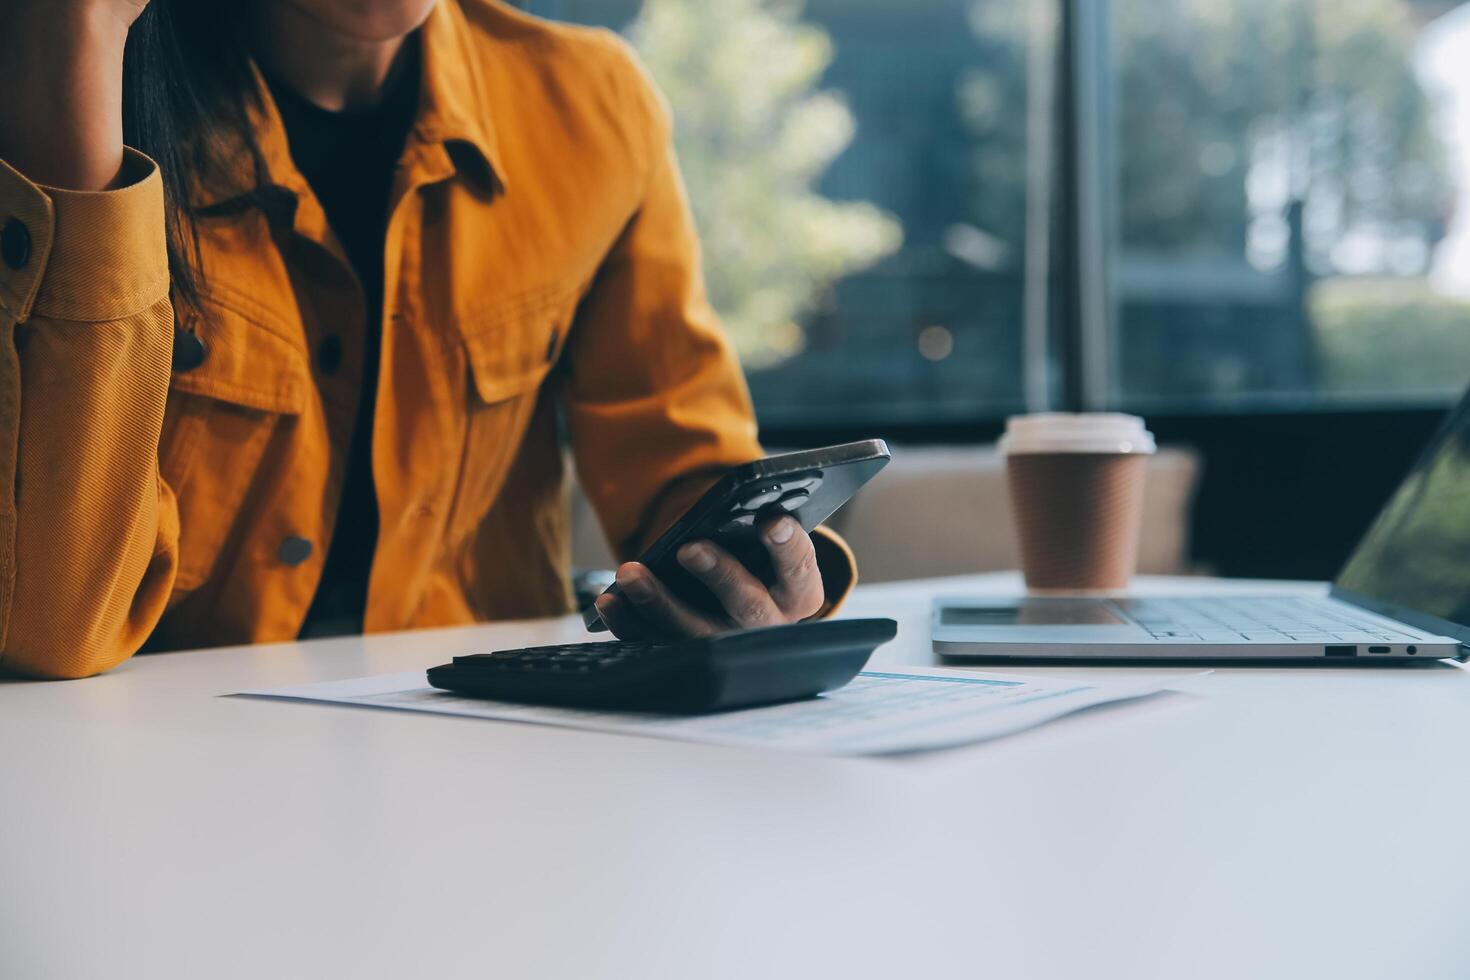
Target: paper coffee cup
(1076, 484)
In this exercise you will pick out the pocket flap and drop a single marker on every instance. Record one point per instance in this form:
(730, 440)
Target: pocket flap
(512, 350)
(245, 362)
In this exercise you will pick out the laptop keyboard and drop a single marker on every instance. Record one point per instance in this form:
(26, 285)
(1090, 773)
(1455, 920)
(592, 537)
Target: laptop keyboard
(1254, 619)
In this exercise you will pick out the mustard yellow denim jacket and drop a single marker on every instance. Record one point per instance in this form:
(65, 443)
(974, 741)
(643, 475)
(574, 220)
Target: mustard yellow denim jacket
(540, 259)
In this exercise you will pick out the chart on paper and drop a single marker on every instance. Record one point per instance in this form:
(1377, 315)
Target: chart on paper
(877, 713)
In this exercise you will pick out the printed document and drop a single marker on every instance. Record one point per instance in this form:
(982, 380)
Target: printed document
(877, 713)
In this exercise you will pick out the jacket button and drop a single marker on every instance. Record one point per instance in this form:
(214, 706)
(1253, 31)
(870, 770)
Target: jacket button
(294, 550)
(189, 350)
(551, 346)
(329, 355)
(15, 243)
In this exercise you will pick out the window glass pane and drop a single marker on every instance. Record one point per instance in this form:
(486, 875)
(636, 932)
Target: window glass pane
(857, 169)
(1290, 202)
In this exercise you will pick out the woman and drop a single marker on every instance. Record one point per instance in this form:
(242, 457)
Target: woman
(303, 297)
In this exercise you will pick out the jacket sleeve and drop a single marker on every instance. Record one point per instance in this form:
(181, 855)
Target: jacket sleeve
(655, 402)
(88, 530)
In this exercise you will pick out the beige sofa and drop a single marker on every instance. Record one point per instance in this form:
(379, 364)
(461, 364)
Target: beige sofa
(944, 510)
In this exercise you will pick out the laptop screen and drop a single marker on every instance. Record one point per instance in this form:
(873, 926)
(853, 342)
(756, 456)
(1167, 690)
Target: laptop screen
(1414, 562)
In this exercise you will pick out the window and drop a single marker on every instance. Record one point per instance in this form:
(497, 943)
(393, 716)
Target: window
(1287, 202)
(858, 172)
(938, 211)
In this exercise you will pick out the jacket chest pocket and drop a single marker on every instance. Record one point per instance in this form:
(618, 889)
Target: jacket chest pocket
(509, 356)
(221, 416)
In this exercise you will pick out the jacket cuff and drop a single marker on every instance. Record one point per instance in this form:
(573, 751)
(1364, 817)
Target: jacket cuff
(837, 566)
(87, 255)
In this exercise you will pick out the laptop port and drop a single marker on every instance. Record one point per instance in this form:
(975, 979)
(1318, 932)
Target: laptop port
(1342, 651)
(1378, 649)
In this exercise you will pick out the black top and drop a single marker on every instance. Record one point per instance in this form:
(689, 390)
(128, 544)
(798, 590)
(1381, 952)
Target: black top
(349, 158)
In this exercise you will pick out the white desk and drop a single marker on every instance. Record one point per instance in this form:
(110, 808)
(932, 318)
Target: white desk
(1293, 823)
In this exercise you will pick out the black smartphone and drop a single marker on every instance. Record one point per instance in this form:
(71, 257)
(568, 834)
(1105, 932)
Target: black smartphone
(809, 485)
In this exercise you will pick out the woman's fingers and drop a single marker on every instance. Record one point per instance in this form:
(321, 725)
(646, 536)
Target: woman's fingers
(747, 601)
(798, 588)
(622, 619)
(646, 608)
(659, 607)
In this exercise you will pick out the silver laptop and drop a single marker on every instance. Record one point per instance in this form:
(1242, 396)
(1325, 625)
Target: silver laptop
(1403, 594)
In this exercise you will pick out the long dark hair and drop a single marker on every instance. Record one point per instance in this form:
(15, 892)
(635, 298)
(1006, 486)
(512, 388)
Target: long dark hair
(187, 93)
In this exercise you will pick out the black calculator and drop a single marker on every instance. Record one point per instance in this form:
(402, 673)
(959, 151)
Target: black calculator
(714, 673)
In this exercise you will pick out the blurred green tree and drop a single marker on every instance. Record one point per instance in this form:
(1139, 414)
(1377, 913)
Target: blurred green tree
(1226, 116)
(1389, 337)
(754, 135)
(1229, 111)
(992, 102)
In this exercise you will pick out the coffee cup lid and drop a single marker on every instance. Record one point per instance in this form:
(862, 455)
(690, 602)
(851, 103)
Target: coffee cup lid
(1076, 432)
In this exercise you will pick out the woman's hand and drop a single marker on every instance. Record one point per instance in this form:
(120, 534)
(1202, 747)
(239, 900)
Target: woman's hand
(61, 74)
(64, 11)
(646, 608)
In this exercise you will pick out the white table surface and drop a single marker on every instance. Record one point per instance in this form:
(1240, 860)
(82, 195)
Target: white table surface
(1300, 823)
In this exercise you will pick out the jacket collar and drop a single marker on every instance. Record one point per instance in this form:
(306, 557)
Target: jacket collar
(454, 105)
(452, 114)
